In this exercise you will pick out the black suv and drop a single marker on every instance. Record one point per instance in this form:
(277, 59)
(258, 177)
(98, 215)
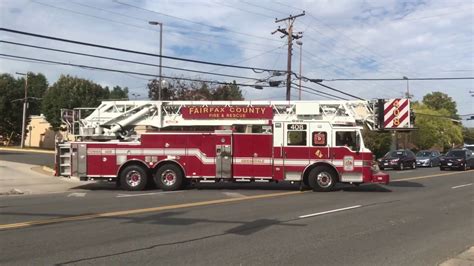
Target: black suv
(457, 159)
(399, 159)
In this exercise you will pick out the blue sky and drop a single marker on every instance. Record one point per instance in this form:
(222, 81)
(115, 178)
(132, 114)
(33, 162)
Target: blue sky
(342, 39)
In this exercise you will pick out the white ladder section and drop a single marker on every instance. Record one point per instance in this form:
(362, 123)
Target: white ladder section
(112, 117)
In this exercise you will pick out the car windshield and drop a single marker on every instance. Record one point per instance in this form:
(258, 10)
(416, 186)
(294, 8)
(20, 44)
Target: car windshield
(456, 154)
(423, 154)
(396, 154)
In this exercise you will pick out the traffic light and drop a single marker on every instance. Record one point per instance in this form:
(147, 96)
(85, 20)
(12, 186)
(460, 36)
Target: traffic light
(380, 113)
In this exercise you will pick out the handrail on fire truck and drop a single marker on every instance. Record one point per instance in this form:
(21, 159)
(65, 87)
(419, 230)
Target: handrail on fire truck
(115, 119)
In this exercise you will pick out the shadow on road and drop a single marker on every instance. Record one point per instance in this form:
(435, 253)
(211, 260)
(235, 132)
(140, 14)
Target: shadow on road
(404, 184)
(363, 188)
(97, 186)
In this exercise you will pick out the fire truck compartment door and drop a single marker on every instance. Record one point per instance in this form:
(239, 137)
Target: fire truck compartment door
(79, 162)
(223, 161)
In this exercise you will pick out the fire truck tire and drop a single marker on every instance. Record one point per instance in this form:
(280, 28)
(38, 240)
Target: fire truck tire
(133, 178)
(322, 178)
(169, 177)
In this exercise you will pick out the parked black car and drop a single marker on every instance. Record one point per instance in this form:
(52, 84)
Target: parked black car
(399, 159)
(427, 158)
(457, 159)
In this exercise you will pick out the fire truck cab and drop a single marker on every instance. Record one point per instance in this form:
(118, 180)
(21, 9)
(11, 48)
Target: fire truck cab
(316, 143)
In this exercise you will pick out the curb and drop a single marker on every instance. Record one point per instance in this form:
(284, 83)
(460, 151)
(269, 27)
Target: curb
(464, 258)
(67, 179)
(27, 150)
(48, 169)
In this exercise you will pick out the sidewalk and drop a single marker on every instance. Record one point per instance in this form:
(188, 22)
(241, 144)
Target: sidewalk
(21, 179)
(465, 258)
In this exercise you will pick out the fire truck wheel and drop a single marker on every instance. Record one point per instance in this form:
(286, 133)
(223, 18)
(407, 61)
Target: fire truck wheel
(133, 178)
(168, 177)
(322, 178)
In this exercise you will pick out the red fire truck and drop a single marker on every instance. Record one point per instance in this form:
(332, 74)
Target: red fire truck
(318, 143)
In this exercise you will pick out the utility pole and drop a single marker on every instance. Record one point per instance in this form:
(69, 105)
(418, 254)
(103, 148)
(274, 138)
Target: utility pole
(161, 56)
(407, 94)
(289, 33)
(25, 106)
(300, 43)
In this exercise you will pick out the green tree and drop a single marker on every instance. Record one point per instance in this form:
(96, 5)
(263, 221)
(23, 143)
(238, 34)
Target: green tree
(12, 93)
(117, 93)
(377, 142)
(195, 91)
(11, 107)
(37, 86)
(227, 92)
(441, 101)
(468, 135)
(70, 92)
(435, 128)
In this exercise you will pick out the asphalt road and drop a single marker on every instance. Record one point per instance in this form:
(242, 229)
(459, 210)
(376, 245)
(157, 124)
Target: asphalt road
(422, 218)
(46, 159)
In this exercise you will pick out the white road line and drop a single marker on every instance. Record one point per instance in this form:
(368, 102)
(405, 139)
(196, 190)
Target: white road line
(465, 185)
(331, 211)
(76, 194)
(406, 171)
(233, 194)
(146, 194)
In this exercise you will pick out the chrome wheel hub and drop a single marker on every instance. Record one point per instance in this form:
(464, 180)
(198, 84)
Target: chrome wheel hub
(168, 178)
(133, 178)
(324, 179)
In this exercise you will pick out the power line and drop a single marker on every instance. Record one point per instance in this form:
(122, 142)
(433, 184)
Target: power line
(246, 34)
(122, 71)
(137, 52)
(141, 27)
(334, 89)
(124, 60)
(386, 79)
(316, 92)
(310, 92)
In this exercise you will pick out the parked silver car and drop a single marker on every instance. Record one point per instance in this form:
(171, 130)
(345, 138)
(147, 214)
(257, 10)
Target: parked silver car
(427, 158)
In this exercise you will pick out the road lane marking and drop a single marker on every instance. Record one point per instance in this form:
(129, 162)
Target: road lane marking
(233, 194)
(429, 176)
(330, 211)
(403, 172)
(76, 194)
(465, 185)
(146, 194)
(170, 207)
(141, 211)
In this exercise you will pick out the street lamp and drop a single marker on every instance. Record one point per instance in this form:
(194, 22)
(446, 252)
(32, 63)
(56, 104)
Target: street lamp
(25, 106)
(161, 47)
(300, 43)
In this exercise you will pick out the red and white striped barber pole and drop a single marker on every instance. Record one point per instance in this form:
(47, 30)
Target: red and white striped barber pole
(397, 113)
